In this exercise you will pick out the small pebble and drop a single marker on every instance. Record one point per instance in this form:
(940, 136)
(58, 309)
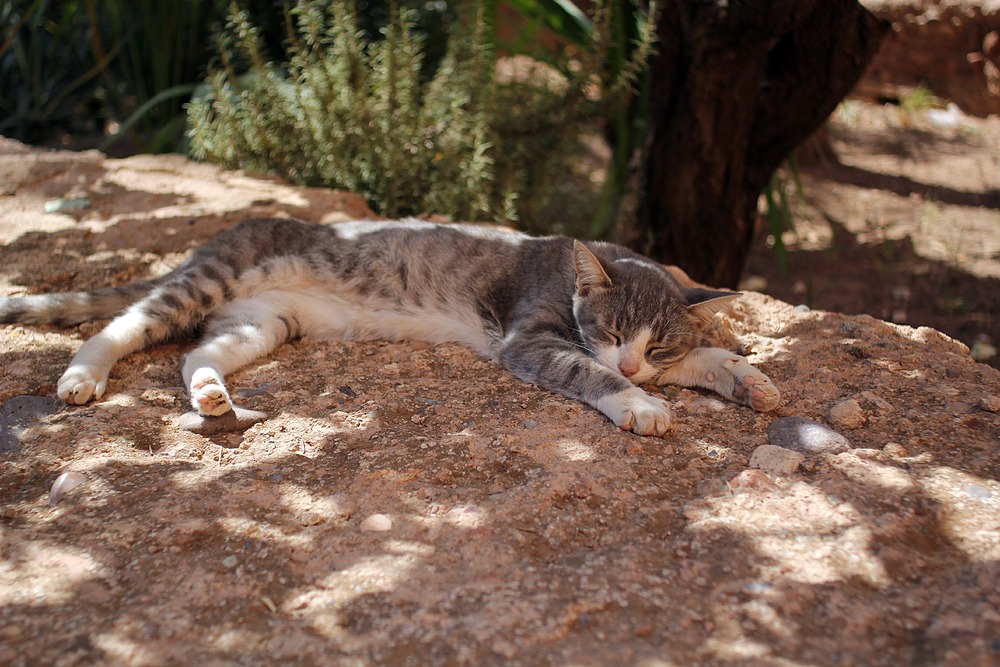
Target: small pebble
(236, 420)
(65, 483)
(806, 436)
(58, 205)
(529, 423)
(751, 479)
(802, 308)
(847, 414)
(879, 404)
(775, 460)
(229, 562)
(990, 403)
(895, 449)
(376, 523)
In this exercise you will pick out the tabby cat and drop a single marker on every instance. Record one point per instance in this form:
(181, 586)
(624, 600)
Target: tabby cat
(589, 321)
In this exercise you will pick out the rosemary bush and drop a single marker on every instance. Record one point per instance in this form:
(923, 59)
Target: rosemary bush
(346, 113)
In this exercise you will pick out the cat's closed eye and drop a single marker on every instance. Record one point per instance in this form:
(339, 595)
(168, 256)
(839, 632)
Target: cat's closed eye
(663, 354)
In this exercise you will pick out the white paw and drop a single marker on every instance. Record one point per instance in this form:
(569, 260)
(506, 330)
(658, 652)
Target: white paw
(747, 385)
(208, 394)
(635, 410)
(80, 384)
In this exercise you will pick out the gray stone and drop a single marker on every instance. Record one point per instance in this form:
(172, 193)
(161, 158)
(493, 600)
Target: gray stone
(18, 414)
(806, 436)
(236, 420)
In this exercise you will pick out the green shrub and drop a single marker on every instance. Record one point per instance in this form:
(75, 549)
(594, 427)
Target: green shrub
(347, 113)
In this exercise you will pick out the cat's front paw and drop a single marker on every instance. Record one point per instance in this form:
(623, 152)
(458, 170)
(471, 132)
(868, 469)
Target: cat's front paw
(208, 394)
(80, 384)
(750, 386)
(635, 410)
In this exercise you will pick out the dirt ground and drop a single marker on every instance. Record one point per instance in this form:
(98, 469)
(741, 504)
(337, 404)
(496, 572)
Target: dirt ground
(901, 221)
(410, 505)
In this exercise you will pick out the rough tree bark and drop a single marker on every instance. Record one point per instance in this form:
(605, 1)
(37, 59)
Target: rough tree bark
(736, 85)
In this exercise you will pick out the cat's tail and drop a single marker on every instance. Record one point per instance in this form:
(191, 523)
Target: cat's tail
(71, 308)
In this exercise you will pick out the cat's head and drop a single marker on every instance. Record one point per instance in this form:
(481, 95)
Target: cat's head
(634, 317)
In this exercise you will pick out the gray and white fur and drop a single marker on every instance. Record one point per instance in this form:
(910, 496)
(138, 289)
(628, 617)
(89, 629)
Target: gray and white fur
(590, 321)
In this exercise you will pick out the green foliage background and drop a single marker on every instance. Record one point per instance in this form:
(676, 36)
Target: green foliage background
(396, 99)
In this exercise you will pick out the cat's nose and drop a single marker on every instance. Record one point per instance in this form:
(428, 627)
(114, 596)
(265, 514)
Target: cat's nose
(628, 367)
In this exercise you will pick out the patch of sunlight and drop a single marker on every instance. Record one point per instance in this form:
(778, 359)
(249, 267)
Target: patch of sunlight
(738, 648)
(574, 450)
(123, 400)
(123, 651)
(801, 534)
(409, 547)
(322, 603)
(465, 516)
(26, 572)
(714, 451)
(873, 473)
(771, 349)
(970, 510)
(359, 420)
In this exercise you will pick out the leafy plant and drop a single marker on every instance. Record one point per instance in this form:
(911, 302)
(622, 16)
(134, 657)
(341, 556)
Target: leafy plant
(348, 113)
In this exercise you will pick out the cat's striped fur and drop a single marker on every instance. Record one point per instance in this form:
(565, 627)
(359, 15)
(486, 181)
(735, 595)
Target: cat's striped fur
(590, 321)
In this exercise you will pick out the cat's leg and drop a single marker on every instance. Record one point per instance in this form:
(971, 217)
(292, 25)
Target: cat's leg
(242, 331)
(726, 373)
(86, 377)
(560, 366)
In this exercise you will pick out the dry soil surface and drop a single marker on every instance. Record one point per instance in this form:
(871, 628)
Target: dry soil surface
(414, 505)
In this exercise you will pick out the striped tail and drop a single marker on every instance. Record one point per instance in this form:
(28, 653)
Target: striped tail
(71, 308)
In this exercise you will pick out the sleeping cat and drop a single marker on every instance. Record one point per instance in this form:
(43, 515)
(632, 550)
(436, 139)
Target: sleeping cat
(589, 321)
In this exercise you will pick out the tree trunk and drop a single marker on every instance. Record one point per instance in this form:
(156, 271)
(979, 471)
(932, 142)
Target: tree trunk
(735, 87)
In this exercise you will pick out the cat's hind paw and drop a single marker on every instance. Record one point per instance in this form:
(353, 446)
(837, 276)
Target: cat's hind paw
(635, 410)
(80, 384)
(208, 394)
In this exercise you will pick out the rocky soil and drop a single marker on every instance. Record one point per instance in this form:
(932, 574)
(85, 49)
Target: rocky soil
(409, 505)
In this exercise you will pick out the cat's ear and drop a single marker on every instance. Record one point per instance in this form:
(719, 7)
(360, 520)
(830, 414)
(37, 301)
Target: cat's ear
(589, 272)
(705, 303)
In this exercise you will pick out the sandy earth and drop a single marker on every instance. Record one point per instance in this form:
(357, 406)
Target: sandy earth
(412, 505)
